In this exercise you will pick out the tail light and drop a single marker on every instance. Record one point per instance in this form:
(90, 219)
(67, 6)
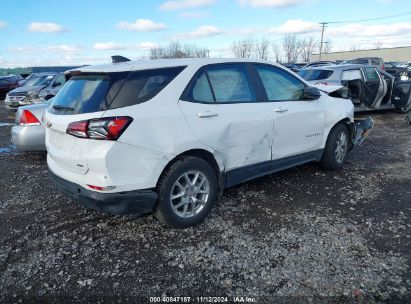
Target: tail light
(383, 67)
(28, 118)
(99, 188)
(109, 128)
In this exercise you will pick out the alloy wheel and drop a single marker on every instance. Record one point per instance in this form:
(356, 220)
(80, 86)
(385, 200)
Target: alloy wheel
(189, 194)
(341, 147)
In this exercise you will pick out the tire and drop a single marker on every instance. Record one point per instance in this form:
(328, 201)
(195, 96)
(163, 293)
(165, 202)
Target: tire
(336, 150)
(403, 110)
(194, 195)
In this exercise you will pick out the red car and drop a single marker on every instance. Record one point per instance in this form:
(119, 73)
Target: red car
(7, 84)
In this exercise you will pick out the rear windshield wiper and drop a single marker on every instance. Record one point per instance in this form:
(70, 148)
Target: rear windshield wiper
(62, 108)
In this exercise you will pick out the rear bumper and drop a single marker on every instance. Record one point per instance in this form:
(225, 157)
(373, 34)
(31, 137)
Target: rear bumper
(130, 202)
(29, 138)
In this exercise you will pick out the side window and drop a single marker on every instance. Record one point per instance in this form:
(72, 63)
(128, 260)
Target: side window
(201, 89)
(60, 80)
(371, 74)
(351, 75)
(225, 83)
(375, 61)
(230, 84)
(279, 84)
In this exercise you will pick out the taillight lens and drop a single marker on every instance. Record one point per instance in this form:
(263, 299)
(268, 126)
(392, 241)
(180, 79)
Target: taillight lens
(109, 128)
(28, 118)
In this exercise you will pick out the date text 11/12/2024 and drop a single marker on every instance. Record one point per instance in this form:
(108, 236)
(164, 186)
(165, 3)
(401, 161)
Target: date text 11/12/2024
(205, 299)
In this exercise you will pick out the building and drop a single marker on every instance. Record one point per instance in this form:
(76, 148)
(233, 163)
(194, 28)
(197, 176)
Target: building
(387, 54)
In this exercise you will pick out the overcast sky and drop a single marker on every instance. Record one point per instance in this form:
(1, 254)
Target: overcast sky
(46, 32)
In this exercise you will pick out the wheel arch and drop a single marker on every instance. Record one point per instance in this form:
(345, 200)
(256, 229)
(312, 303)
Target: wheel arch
(347, 122)
(213, 159)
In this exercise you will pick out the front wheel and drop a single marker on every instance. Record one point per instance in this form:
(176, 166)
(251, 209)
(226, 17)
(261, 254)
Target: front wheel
(336, 148)
(186, 193)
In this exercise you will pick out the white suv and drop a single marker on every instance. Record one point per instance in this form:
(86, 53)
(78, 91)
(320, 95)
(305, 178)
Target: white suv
(168, 136)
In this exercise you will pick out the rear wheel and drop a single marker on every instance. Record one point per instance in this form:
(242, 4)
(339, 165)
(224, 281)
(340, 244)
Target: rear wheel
(403, 110)
(336, 148)
(187, 192)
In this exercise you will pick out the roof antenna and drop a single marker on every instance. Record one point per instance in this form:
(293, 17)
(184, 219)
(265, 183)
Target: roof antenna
(118, 58)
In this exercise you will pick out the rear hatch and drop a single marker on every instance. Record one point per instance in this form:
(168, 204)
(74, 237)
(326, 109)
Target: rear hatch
(87, 96)
(83, 97)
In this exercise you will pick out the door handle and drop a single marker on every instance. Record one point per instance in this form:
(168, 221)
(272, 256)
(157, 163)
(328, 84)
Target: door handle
(207, 114)
(280, 110)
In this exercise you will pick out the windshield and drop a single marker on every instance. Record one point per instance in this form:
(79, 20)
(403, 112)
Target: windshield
(315, 74)
(43, 80)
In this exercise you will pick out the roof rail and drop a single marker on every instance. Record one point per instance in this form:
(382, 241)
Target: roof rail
(118, 58)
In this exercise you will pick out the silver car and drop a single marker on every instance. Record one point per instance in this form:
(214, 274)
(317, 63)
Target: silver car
(29, 133)
(369, 87)
(40, 87)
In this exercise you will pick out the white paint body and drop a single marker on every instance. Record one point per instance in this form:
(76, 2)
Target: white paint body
(239, 135)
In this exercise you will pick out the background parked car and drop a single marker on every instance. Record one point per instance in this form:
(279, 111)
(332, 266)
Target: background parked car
(370, 87)
(40, 87)
(372, 61)
(7, 83)
(29, 132)
(317, 64)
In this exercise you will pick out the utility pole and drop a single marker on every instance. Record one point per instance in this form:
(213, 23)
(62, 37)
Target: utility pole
(323, 25)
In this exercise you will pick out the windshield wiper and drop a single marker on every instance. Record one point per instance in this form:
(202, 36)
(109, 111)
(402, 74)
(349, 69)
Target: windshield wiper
(62, 108)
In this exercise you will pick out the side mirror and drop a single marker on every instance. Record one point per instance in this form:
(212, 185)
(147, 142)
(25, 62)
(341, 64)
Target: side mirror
(311, 93)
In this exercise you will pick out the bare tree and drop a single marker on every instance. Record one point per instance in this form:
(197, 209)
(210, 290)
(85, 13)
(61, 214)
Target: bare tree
(291, 47)
(354, 48)
(307, 47)
(328, 46)
(176, 50)
(377, 45)
(157, 53)
(262, 49)
(276, 51)
(243, 48)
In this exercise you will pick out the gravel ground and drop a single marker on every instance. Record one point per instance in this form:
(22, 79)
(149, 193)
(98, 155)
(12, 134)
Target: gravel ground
(302, 235)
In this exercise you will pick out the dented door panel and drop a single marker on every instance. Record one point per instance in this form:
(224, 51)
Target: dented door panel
(241, 132)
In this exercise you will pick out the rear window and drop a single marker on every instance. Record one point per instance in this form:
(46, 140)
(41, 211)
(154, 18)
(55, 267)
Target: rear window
(315, 74)
(358, 61)
(87, 93)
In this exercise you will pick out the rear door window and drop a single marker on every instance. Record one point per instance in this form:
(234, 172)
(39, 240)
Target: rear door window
(351, 75)
(222, 83)
(375, 61)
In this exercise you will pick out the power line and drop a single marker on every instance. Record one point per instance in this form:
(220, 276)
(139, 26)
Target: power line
(369, 19)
